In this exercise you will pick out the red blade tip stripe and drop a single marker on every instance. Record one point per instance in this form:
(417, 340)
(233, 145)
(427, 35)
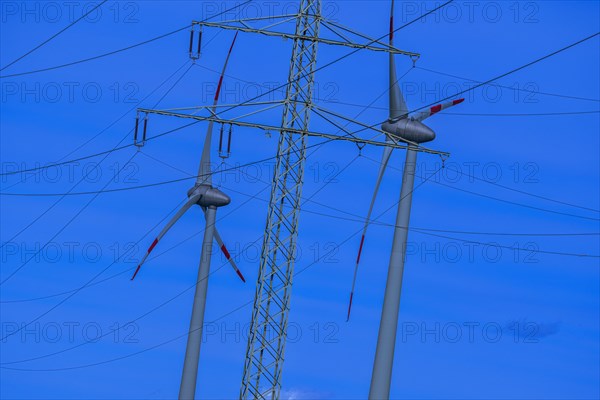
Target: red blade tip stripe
(349, 307)
(362, 240)
(436, 109)
(136, 271)
(148, 252)
(152, 245)
(232, 43)
(241, 276)
(224, 250)
(455, 102)
(221, 78)
(219, 88)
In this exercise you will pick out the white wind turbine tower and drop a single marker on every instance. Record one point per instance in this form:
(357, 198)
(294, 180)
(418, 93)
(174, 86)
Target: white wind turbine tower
(407, 128)
(208, 198)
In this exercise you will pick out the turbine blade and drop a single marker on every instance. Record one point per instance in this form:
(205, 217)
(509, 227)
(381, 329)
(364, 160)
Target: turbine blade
(204, 171)
(398, 108)
(387, 152)
(436, 109)
(228, 256)
(193, 200)
(226, 252)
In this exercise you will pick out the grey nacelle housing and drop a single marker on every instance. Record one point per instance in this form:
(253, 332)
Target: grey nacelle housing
(209, 196)
(409, 129)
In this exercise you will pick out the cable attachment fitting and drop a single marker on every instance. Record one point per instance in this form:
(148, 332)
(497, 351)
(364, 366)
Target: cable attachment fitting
(443, 157)
(414, 59)
(360, 147)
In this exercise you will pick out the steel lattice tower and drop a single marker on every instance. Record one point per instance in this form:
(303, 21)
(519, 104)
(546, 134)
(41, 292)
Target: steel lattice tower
(266, 341)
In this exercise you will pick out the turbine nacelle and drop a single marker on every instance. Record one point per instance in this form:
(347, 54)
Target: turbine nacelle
(409, 129)
(209, 196)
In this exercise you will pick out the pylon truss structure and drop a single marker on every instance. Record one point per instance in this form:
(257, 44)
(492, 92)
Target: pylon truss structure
(272, 26)
(337, 121)
(268, 330)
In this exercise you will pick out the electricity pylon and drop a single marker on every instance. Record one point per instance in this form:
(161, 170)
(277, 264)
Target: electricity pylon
(266, 341)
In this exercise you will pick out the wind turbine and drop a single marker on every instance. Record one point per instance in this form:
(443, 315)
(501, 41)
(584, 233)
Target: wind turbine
(407, 128)
(209, 199)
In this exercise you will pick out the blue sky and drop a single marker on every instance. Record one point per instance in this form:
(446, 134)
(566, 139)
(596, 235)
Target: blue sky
(478, 318)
